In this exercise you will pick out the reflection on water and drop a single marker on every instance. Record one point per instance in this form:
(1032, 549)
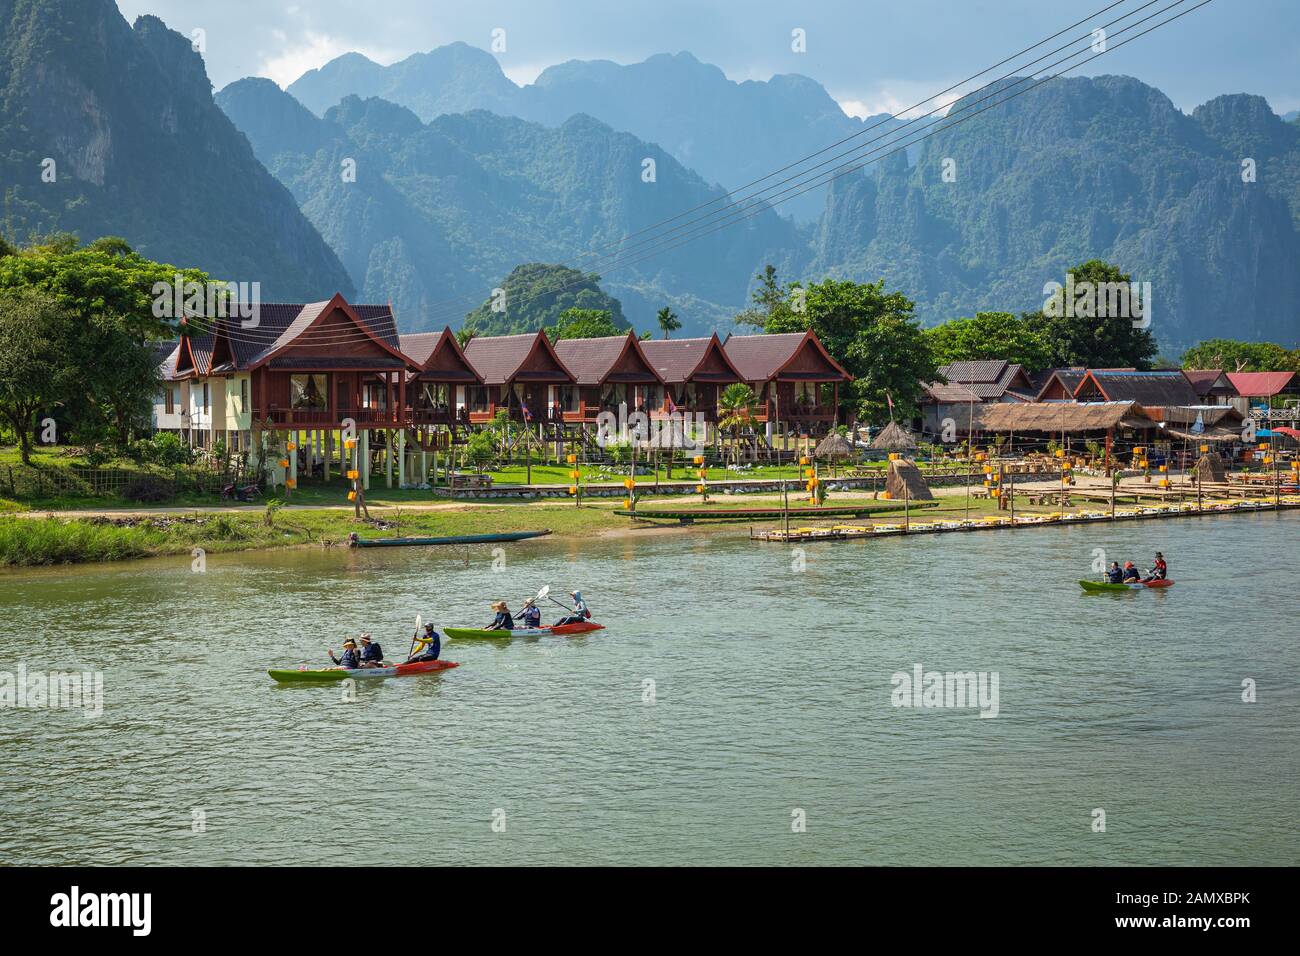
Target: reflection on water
(729, 692)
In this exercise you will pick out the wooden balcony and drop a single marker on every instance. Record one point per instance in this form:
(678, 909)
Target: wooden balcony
(369, 417)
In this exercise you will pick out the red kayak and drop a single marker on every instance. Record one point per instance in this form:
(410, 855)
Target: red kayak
(580, 628)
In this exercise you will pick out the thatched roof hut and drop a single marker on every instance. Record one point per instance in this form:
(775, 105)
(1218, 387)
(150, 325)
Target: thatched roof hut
(905, 481)
(1210, 468)
(894, 437)
(833, 446)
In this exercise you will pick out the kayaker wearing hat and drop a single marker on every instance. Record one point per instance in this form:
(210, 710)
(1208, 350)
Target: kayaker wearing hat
(428, 646)
(372, 655)
(350, 660)
(1160, 571)
(1131, 573)
(579, 613)
(531, 615)
(503, 621)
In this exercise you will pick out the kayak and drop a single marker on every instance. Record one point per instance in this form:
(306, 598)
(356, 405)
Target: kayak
(484, 633)
(307, 675)
(1132, 586)
(358, 542)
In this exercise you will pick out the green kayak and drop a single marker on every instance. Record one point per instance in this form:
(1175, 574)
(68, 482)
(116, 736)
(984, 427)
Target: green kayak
(1132, 586)
(487, 634)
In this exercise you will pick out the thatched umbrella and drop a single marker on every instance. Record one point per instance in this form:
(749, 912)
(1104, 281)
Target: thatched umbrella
(894, 437)
(834, 446)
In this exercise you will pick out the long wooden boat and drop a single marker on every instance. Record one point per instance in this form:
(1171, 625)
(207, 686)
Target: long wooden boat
(687, 515)
(358, 542)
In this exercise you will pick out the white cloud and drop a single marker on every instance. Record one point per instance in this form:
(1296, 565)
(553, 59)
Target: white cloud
(522, 74)
(312, 52)
(895, 97)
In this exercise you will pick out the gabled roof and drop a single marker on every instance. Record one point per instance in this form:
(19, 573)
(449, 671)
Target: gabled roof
(506, 358)
(990, 379)
(1261, 384)
(228, 345)
(763, 357)
(1209, 381)
(949, 394)
(1145, 388)
(439, 357)
(609, 358)
(167, 353)
(691, 360)
(1069, 379)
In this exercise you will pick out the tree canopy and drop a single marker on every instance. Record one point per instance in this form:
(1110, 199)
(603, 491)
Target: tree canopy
(990, 335)
(868, 330)
(1233, 356)
(1096, 341)
(584, 324)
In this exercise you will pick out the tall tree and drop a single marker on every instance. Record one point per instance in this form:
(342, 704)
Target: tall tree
(1075, 338)
(668, 321)
(770, 301)
(35, 374)
(871, 333)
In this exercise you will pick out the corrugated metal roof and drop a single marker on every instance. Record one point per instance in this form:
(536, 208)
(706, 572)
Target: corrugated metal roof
(1145, 388)
(983, 371)
(1261, 384)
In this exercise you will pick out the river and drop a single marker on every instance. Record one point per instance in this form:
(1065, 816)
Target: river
(739, 708)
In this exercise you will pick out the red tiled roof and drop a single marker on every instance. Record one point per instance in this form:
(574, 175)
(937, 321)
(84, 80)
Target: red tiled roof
(592, 361)
(677, 360)
(761, 357)
(1261, 384)
(498, 357)
(278, 324)
(421, 347)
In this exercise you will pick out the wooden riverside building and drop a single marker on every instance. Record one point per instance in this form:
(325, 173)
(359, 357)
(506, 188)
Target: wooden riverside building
(298, 373)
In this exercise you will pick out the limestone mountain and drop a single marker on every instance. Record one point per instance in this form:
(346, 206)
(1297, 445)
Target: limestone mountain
(1078, 169)
(440, 212)
(109, 129)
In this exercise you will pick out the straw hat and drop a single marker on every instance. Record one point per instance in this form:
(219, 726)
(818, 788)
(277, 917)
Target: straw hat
(349, 643)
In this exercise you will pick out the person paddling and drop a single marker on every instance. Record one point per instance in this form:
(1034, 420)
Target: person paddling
(372, 655)
(579, 613)
(350, 659)
(429, 646)
(503, 621)
(1131, 573)
(531, 615)
(1115, 575)
(1160, 571)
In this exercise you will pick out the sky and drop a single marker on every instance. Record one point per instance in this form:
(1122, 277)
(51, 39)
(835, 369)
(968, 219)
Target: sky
(872, 56)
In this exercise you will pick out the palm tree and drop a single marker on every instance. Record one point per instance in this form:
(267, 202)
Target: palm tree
(668, 321)
(736, 404)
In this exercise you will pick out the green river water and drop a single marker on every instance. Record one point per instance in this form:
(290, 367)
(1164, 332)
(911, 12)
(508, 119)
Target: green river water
(770, 705)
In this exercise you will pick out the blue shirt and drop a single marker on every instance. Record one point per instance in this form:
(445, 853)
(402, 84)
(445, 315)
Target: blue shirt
(532, 616)
(1116, 575)
(432, 649)
(504, 621)
(349, 659)
(372, 652)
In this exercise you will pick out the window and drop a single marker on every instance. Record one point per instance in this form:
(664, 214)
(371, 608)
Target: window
(207, 397)
(243, 394)
(307, 391)
(169, 401)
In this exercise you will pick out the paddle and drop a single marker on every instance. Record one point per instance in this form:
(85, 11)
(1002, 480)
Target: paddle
(419, 621)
